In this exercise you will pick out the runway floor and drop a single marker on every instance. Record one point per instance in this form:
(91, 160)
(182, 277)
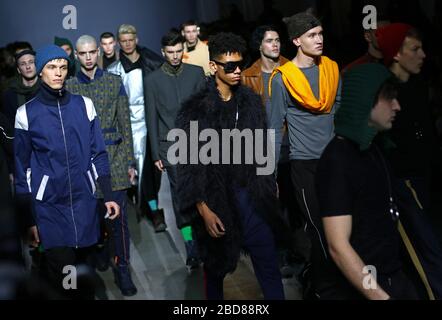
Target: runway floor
(159, 270)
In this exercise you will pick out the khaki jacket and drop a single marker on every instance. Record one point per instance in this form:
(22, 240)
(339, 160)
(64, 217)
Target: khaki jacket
(199, 56)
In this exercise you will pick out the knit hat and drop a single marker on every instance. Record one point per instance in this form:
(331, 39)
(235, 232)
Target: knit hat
(390, 39)
(360, 87)
(49, 53)
(300, 23)
(22, 53)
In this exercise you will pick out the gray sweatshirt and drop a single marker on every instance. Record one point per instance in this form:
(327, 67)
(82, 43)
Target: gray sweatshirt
(309, 133)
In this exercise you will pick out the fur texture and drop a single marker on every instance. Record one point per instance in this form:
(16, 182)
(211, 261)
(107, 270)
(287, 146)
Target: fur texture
(213, 183)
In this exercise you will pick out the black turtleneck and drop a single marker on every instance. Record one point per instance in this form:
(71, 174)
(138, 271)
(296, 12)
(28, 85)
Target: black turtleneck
(108, 61)
(53, 97)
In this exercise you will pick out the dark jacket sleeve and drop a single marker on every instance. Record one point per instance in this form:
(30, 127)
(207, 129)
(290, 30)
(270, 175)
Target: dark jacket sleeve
(152, 118)
(22, 157)
(6, 135)
(22, 153)
(202, 83)
(151, 60)
(192, 178)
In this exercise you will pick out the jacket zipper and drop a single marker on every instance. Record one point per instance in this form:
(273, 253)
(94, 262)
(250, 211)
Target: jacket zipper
(178, 93)
(69, 174)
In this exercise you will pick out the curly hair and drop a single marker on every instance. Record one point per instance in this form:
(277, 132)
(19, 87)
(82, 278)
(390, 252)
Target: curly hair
(258, 36)
(226, 42)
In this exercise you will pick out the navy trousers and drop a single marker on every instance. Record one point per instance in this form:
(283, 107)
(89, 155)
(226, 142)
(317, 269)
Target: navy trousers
(259, 242)
(119, 233)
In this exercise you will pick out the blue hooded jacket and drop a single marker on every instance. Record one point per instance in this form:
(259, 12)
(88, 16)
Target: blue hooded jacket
(59, 154)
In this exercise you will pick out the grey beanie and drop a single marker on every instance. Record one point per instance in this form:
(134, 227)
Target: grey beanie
(300, 23)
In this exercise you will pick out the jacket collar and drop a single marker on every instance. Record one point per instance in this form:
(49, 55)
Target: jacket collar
(83, 78)
(129, 65)
(255, 69)
(18, 87)
(171, 71)
(197, 46)
(51, 97)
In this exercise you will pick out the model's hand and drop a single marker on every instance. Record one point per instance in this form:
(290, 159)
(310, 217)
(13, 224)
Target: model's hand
(159, 165)
(214, 225)
(34, 239)
(132, 173)
(277, 190)
(113, 210)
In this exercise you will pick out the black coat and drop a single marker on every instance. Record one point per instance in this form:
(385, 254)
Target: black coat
(166, 91)
(149, 61)
(9, 237)
(212, 183)
(6, 156)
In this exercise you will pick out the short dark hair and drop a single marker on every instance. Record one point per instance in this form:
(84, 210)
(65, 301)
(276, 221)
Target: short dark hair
(107, 35)
(172, 38)
(413, 33)
(189, 23)
(258, 36)
(388, 90)
(224, 43)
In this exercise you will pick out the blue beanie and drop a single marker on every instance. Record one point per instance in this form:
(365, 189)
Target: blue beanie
(49, 53)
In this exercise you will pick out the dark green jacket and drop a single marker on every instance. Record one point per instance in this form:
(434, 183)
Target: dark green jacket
(166, 89)
(111, 103)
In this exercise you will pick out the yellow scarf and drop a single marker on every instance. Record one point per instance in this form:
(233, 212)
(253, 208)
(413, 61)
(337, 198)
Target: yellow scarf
(299, 87)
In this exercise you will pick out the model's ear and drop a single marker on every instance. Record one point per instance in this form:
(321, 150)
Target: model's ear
(76, 54)
(297, 42)
(397, 57)
(163, 53)
(367, 36)
(213, 67)
(136, 40)
(198, 30)
(182, 33)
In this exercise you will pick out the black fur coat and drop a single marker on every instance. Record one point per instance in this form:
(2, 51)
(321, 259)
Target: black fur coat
(213, 183)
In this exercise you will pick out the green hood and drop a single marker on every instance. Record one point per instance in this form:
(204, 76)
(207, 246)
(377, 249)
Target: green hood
(360, 87)
(74, 65)
(63, 41)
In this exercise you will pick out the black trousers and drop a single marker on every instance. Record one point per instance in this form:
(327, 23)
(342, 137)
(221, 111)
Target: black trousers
(303, 178)
(258, 241)
(411, 197)
(150, 180)
(69, 273)
(172, 175)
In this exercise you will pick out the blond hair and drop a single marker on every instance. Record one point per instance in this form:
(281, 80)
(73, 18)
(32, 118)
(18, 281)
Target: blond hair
(85, 39)
(127, 29)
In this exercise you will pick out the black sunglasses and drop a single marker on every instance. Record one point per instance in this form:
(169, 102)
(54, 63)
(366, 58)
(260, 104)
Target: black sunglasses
(230, 67)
